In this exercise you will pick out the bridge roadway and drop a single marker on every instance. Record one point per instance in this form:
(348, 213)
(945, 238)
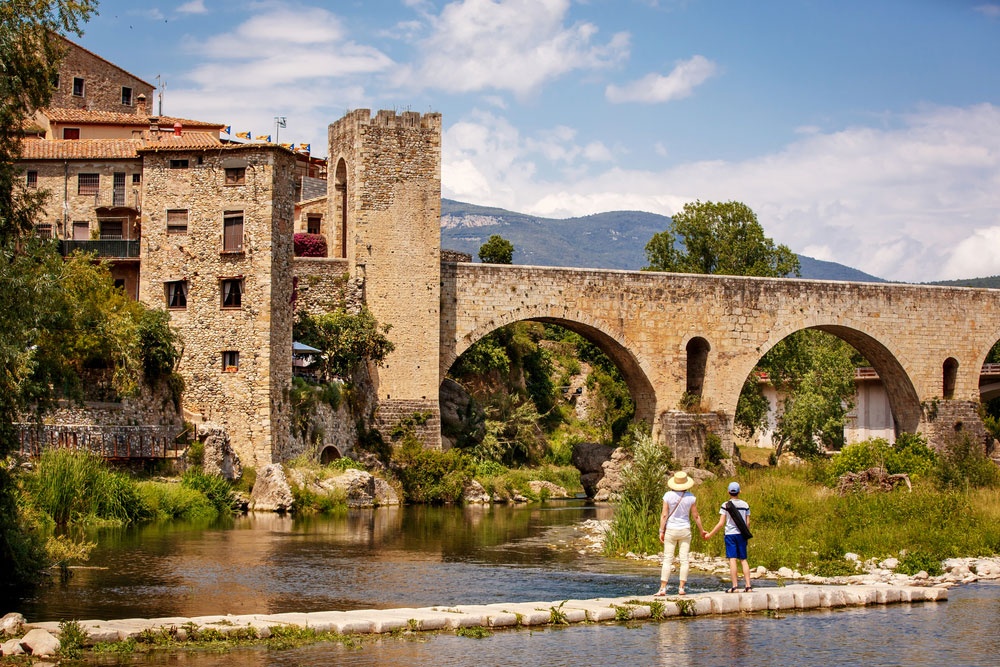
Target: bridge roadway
(516, 614)
(673, 335)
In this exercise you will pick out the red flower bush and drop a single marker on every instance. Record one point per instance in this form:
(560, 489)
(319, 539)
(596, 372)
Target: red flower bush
(310, 245)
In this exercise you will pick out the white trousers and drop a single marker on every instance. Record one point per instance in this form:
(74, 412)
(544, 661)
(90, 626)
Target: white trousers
(682, 538)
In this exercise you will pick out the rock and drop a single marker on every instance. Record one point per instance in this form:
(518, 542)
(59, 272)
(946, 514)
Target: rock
(11, 625)
(271, 492)
(459, 414)
(11, 647)
(610, 486)
(853, 557)
(547, 489)
(475, 494)
(384, 493)
(987, 568)
(40, 642)
(889, 564)
(589, 457)
(785, 573)
(219, 458)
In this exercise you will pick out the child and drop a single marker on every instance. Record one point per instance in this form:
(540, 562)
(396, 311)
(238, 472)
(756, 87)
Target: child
(736, 543)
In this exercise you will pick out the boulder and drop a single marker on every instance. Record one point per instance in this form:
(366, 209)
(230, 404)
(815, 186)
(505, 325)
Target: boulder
(610, 486)
(547, 489)
(11, 647)
(459, 414)
(12, 625)
(271, 492)
(589, 458)
(219, 458)
(475, 494)
(40, 642)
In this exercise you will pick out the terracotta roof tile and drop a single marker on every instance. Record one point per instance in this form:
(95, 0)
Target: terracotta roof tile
(87, 117)
(80, 149)
(168, 141)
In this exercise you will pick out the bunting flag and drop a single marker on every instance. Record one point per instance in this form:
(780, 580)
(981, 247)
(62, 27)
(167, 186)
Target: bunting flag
(229, 130)
(305, 147)
(264, 137)
(288, 146)
(243, 135)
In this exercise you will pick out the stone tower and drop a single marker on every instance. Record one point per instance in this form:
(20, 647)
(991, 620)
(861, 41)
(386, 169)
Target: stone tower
(384, 204)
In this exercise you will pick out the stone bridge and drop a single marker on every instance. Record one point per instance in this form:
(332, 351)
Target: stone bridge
(674, 334)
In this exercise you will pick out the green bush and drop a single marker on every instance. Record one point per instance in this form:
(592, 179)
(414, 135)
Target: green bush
(635, 521)
(909, 455)
(916, 561)
(175, 501)
(963, 464)
(217, 490)
(429, 475)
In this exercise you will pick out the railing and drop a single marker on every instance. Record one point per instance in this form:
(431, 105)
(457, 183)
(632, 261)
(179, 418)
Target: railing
(104, 248)
(111, 442)
(118, 198)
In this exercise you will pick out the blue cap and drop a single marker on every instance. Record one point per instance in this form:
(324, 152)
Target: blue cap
(734, 487)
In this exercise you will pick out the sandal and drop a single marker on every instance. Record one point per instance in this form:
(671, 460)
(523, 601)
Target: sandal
(681, 592)
(660, 594)
(732, 590)
(748, 589)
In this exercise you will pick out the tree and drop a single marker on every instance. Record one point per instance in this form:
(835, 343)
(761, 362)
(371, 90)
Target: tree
(29, 54)
(718, 238)
(346, 340)
(497, 250)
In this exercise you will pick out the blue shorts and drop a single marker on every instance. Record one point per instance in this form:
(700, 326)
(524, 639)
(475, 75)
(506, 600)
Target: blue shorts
(736, 546)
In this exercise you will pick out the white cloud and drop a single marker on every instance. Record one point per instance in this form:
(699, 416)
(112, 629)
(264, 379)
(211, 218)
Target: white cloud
(911, 202)
(516, 46)
(989, 10)
(193, 7)
(656, 88)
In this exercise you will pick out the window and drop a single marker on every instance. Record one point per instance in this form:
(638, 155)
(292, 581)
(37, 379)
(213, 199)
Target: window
(55, 79)
(178, 164)
(77, 86)
(71, 133)
(232, 231)
(232, 293)
(177, 221)
(137, 178)
(236, 175)
(88, 184)
(43, 230)
(111, 230)
(230, 361)
(313, 223)
(81, 230)
(126, 96)
(120, 283)
(177, 293)
(32, 179)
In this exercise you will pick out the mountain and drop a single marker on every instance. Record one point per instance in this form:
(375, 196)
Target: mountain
(612, 240)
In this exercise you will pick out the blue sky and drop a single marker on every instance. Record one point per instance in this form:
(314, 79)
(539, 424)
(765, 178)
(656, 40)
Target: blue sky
(860, 132)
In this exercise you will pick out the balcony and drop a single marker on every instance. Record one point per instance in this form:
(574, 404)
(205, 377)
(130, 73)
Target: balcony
(118, 198)
(113, 248)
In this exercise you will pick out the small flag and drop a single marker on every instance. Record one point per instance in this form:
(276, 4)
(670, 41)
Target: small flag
(280, 120)
(288, 146)
(264, 137)
(305, 147)
(243, 135)
(229, 130)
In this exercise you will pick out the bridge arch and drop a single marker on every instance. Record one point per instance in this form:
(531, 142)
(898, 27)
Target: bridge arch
(621, 352)
(903, 398)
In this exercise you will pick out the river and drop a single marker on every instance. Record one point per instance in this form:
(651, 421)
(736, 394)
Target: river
(423, 556)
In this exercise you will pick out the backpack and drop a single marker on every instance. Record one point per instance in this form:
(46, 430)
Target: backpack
(741, 525)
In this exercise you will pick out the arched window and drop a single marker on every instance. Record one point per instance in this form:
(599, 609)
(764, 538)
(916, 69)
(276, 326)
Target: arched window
(340, 202)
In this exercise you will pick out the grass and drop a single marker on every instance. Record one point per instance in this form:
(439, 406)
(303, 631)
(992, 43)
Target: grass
(505, 481)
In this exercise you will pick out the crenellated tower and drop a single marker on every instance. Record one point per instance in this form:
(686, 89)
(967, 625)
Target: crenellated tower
(384, 204)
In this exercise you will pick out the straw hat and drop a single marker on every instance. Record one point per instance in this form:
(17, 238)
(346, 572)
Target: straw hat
(680, 481)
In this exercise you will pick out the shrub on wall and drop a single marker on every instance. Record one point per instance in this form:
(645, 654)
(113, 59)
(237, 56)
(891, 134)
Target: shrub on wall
(310, 245)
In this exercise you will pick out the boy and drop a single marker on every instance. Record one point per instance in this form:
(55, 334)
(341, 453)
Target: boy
(736, 543)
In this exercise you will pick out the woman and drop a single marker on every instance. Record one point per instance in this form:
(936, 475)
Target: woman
(675, 528)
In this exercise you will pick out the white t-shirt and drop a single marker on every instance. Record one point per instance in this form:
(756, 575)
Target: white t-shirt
(744, 509)
(681, 517)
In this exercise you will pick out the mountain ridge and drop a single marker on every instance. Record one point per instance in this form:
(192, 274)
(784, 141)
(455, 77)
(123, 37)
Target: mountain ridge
(609, 240)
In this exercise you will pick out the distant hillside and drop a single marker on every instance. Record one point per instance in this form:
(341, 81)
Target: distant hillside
(992, 282)
(613, 240)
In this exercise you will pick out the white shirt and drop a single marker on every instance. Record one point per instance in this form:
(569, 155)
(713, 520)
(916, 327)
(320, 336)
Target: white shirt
(681, 516)
(744, 509)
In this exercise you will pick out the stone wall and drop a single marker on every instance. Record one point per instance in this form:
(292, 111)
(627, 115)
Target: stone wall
(249, 398)
(103, 83)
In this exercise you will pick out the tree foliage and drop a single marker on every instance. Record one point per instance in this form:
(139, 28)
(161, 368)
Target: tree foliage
(719, 238)
(497, 250)
(345, 340)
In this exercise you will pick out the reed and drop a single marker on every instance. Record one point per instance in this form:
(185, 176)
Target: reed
(74, 487)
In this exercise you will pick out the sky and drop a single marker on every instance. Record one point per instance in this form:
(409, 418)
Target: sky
(863, 132)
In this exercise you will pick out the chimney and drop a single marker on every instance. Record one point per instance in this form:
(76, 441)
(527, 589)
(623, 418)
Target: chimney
(154, 124)
(140, 104)
(177, 129)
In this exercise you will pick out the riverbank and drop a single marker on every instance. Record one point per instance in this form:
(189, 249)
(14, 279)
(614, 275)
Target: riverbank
(48, 638)
(869, 572)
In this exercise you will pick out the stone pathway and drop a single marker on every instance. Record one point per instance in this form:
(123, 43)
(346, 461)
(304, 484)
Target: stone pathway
(520, 614)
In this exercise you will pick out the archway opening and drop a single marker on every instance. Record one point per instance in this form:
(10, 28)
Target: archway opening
(329, 455)
(821, 388)
(340, 204)
(527, 392)
(697, 359)
(949, 372)
(989, 390)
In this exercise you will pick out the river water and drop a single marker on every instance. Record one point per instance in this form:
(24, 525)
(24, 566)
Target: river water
(424, 556)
